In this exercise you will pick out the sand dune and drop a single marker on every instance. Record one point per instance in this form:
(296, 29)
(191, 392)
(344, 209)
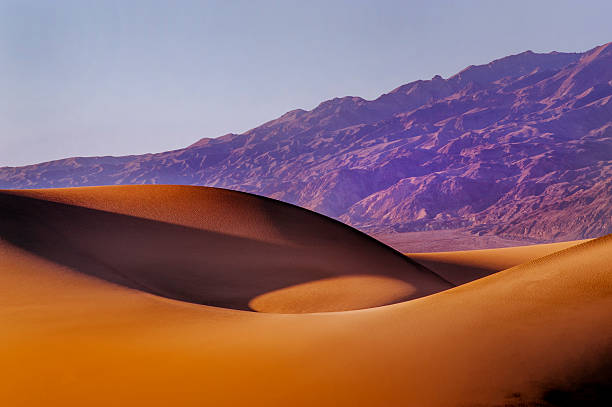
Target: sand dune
(214, 247)
(539, 332)
(460, 267)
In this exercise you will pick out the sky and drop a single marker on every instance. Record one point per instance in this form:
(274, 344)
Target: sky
(92, 78)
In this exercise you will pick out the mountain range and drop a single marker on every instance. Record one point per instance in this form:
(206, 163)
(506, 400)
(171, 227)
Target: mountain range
(519, 148)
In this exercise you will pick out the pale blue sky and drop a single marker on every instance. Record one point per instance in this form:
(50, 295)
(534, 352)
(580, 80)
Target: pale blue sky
(125, 77)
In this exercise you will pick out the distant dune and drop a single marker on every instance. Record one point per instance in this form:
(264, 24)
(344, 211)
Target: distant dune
(460, 267)
(102, 291)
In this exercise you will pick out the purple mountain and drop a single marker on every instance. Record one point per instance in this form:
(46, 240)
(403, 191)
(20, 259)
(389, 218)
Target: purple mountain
(520, 148)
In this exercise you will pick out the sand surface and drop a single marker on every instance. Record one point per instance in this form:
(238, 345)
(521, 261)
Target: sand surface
(460, 267)
(74, 334)
(214, 247)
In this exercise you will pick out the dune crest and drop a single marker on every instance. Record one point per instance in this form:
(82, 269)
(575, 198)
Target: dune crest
(212, 246)
(460, 267)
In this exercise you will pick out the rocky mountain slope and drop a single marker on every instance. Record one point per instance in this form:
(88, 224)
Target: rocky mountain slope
(520, 148)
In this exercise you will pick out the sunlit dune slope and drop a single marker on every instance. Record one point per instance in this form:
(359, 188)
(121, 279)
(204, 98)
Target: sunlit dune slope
(459, 267)
(212, 246)
(536, 333)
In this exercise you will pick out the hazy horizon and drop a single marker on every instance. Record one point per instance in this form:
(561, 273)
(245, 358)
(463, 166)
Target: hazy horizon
(116, 79)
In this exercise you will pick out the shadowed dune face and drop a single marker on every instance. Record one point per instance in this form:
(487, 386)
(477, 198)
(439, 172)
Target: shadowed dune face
(212, 247)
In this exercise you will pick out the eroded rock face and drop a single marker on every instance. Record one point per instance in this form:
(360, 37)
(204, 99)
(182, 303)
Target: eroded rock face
(520, 147)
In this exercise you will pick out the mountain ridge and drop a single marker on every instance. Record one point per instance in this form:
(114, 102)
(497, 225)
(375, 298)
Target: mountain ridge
(520, 147)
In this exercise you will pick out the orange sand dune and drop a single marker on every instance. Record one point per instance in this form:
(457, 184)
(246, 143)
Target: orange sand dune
(538, 332)
(214, 247)
(466, 265)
